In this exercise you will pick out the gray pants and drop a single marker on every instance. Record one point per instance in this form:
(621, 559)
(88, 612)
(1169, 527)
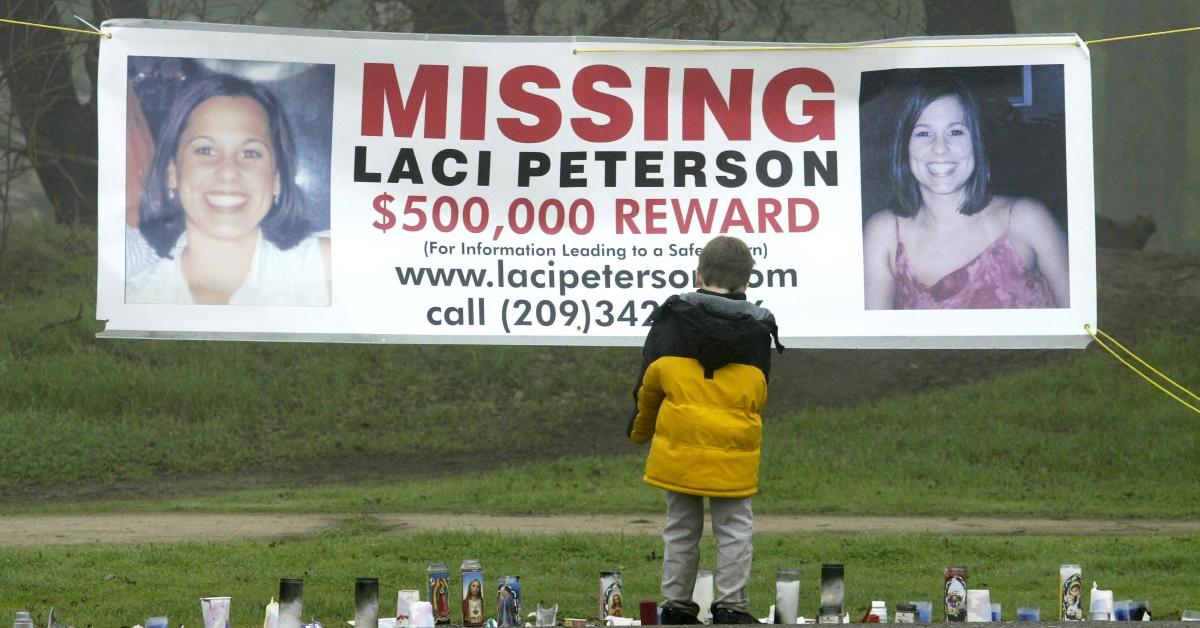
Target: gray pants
(732, 526)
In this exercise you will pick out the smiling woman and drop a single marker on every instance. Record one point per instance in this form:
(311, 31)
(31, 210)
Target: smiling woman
(220, 207)
(947, 241)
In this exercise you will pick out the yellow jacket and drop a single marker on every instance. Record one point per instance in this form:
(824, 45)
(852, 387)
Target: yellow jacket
(701, 393)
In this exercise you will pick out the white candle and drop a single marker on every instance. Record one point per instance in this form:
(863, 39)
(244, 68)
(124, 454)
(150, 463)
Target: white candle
(422, 615)
(1102, 604)
(702, 594)
(787, 601)
(979, 605)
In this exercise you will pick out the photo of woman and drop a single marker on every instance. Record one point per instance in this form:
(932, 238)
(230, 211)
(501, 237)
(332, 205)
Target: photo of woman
(945, 239)
(220, 206)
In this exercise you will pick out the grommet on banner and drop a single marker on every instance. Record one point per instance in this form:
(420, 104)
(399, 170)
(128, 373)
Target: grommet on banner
(95, 30)
(1097, 337)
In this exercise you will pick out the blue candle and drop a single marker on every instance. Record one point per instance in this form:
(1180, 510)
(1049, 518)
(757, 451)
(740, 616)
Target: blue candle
(924, 611)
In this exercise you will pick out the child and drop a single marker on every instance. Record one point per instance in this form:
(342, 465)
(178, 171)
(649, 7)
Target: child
(700, 395)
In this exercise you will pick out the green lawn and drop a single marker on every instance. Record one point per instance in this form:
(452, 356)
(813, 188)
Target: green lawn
(1082, 438)
(137, 410)
(1079, 439)
(117, 585)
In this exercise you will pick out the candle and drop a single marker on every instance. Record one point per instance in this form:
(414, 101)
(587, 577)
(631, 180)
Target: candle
(366, 602)
(979, 605)
(787, 596)
(702, 594)
(291, 602)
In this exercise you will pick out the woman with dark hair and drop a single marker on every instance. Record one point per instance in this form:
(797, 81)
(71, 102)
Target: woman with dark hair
(221, 206)
(949, 243)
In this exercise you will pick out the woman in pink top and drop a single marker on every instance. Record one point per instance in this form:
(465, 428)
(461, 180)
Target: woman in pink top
(950, 243)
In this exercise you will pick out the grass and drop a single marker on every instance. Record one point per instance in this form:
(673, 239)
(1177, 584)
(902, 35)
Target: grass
(1082, 438)
(1079, 439)
(137, 410)
(134, 412)
(118, 585)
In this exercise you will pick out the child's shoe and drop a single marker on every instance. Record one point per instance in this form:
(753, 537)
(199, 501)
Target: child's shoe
(677, 617)
(725, 616)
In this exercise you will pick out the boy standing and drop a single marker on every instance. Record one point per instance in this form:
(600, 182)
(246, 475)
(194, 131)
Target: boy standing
(699, 397)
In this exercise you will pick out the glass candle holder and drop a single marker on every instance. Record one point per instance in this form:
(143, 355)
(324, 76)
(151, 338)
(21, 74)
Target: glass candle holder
(508, 601)
(787, 596)
(546, 616)
(829, 615)
(924, 611)
(648, 610)
(906, 613)
(474, 613)
(366, 602)
(291, 602)
(833, 586)
(437, 576)
(611, 595)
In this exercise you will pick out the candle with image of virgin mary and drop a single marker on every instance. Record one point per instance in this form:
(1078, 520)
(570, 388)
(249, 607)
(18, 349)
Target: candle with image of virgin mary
(439, 592)
(956, 593)
(1070, 591)
(508, 601)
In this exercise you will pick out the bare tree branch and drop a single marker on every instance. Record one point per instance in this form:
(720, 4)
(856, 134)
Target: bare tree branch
(981, 17)
(37, 68)
(478, 17)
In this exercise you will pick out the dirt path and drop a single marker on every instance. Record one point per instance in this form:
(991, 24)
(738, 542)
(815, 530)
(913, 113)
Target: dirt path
(28, 530)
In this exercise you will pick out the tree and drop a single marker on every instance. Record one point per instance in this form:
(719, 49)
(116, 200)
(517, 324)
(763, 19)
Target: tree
(55, 128)
(51, 127)
(980, 17)
(459, 16)
(59, 133)
(1144, 149)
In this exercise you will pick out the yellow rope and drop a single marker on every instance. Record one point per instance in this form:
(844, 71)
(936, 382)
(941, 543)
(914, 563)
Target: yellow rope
(814, 47)
(1128, 37)
(57, 28)
(895, 45)
(1097, 337)
(1090, 42)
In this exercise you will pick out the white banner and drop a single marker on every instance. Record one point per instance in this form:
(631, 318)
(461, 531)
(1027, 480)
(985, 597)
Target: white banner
(278, 184)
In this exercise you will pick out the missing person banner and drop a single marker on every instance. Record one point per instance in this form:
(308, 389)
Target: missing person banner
(279, 184)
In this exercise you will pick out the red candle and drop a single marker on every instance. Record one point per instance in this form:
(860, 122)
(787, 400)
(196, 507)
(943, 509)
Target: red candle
(649, 612)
